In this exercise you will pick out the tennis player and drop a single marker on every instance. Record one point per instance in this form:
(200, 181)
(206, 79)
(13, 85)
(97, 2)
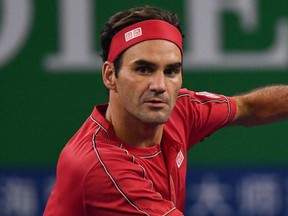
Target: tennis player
(130, 155)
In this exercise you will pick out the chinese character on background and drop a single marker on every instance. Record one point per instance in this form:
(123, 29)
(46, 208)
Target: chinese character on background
(259, 195)
(18, 196)
(210, 198)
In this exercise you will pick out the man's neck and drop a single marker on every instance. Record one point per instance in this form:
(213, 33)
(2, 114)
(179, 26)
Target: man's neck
(134, 132)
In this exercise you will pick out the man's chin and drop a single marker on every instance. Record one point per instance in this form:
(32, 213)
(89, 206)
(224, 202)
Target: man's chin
(157, 120)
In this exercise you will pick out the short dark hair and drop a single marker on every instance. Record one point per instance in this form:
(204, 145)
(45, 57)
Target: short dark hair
(128, 17)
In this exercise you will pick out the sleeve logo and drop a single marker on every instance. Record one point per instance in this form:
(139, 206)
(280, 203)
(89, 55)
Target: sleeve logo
(208, 94)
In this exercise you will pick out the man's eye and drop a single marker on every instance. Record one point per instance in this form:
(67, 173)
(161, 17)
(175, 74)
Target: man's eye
(172, 71)
(143, 69)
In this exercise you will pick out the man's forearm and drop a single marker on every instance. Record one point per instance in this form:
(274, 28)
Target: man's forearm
(262, 105)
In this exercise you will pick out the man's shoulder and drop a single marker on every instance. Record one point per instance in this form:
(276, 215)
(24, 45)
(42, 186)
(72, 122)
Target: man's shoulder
(199, 96)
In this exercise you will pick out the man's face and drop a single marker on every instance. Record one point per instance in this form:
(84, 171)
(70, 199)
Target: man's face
(149, 81)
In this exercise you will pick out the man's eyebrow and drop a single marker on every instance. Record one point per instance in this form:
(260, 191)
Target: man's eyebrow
(176, 65)
(152, 64)
(144, 62)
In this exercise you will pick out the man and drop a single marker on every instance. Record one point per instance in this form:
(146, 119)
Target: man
(129, 157)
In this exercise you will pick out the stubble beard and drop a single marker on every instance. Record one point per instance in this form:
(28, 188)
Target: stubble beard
(154, 117)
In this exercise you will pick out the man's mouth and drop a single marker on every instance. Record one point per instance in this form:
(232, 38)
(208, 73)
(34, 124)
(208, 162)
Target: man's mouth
(156, 103)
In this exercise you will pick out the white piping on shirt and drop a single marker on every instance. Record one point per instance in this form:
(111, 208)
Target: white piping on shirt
(111, 177)
(150, 156)
(94, 120)
(212, 101)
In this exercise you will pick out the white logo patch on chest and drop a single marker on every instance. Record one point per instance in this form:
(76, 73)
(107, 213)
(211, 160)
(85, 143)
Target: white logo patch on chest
(179, 159)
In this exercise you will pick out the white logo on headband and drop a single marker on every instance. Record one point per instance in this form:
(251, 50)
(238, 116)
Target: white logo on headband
(134, 33)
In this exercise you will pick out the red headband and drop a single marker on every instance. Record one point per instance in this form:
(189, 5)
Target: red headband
(142, 31)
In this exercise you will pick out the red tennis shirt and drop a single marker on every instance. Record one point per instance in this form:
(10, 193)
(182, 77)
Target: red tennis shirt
(99, 175)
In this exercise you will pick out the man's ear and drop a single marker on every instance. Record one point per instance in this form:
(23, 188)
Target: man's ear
(108, 75)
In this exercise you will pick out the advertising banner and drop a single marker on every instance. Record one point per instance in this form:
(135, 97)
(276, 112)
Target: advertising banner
(50, 80)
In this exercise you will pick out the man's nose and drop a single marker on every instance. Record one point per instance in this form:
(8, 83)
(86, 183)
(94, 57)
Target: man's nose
(158, 82)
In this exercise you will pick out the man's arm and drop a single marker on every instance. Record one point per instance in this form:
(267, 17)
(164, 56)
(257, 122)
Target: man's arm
(262, 106)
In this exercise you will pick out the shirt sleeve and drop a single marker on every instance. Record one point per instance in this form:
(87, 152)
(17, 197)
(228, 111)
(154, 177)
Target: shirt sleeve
(130, 193)
(202, 113)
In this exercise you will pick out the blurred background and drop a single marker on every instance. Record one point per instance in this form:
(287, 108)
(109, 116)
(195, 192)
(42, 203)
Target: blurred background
(50, 81)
